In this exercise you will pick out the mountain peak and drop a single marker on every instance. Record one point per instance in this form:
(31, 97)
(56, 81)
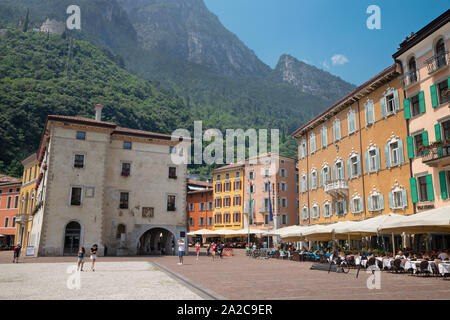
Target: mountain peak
(310, 79)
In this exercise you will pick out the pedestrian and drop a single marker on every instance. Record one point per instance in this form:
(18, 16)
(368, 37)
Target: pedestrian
(17, 249)
(207, 249)
(213, 250)
(93, 254)
(197, 249)
(180, 250)
(80, 262)
(221, 246)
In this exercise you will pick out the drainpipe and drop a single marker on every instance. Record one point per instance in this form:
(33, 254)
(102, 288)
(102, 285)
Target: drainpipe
(362, 159)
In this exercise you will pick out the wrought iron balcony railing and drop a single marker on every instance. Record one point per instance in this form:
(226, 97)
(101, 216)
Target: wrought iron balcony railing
(437, 154)
(410, 78)
(437, 62)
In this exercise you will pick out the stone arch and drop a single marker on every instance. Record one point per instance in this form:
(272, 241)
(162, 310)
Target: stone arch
(156, 240)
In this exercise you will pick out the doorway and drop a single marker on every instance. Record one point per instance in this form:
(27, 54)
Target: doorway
(72, 239)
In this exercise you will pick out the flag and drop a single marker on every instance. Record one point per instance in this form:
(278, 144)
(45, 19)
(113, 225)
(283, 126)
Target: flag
(270, 206)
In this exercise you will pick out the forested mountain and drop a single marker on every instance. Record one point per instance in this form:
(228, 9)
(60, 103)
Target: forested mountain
(181, 46)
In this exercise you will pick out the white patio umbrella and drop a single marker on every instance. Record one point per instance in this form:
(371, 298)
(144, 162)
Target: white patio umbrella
(281, 231)
(202, 232)
(432, 221)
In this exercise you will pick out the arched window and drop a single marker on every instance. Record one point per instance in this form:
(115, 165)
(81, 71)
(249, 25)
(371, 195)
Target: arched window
(412, 70)
(440, 53)
(120, 229)
(315, 211)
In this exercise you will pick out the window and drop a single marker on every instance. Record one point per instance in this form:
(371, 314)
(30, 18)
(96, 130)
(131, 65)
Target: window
(124, 200)
(29, 175)
(201, 206)
(351, 122)
(397, 199)
(284, 202)
(326, 175)
(237, 201)
(442, 88)
(390, 104)
(238, 175)
(283, 186)
(226, 218)
(218, 186)
(126, 169)
(210, 206)
(191, 207)
(120, 229)
(312, 143)
(237, 217)
(210, 221)
(284, 219)
(78, 161)
(218, 202)
(327, 210)
(25, 176)
(283, 173)
(81, 135)
(227, 186)
(218, 217)
(304, 183)
(415, 106)
(339, 171)
(227, 176)
(375, 202)
(305, 214)
(354, 166)
(302, 150)
(237, 185)
(313, 180)
(373, 157)
(16, 202)
(191, 222)
(8, 205)
(75, 197)
(315, 213)
(201, 221)
(251, 175)
(394, 153)
(423, 191)
(341, 207)
(412, 74)
(418, 144)
(218, 177)
(13, 225)
(370, 117)
(324, 137)
(356, 205)
(171, 203)
(337, 129)
(35, 171)
(6, 222)
(127, 145)
(440, 54)
(227, 202)
(172, 172)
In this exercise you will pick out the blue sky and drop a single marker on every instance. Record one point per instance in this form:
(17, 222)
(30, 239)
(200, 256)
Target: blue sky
(316, 30)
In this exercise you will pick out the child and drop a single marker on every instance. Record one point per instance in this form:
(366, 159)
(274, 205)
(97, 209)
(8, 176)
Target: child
(94, 255)
(80, 263)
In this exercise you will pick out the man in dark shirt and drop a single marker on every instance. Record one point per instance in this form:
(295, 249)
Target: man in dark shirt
(17, 253)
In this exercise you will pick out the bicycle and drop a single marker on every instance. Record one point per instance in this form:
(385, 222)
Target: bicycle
(340, 263)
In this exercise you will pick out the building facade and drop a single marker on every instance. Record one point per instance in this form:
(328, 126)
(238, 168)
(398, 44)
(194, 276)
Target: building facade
(228, 186)
(425, 61)
(27, 202)
(106, 185)
(200, 205)
(281, 173)
(9, 207)
(353, 160)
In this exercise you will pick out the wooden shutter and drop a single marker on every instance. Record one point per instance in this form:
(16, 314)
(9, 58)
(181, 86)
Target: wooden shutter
(387, 156)
(349, 169)
(400, 151)
(358, 165)
(410, 146)
(396, 101)
(414, 195)
(369, 203)
(434, 97)
(406, 109)
(425, 138)
(421, 102)
(378, 159)
(381, 202)
(391, 202)
(366, 161)
(404, 198)
(430, 189)
(383, 107)
(437, 131)
(443, 183)
(345, 206)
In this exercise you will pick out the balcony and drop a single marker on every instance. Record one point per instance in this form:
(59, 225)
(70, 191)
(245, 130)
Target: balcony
(410, 78)
(437, 62)
(23, 218)
(437, 154)
(337, 188)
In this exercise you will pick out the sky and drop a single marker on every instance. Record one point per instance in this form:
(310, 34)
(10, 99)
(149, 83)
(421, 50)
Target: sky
(329, 34)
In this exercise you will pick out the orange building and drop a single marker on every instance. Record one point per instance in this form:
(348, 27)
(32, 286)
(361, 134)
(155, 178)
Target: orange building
(9, 207)
(200, 205)
(353, 160)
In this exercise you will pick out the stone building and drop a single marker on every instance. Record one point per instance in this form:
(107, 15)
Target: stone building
(53, 27)
(106, 185)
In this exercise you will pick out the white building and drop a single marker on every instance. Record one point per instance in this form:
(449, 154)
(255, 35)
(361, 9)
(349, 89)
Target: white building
(106, 185)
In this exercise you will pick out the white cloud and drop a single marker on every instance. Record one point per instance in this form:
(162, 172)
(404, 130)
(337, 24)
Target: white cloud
(338, 59)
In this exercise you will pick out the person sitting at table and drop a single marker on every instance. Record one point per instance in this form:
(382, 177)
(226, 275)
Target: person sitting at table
(442, 255)
(400, 255)
(427, 256)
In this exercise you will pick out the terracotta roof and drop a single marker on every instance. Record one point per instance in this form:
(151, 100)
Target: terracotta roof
(9, 180)
(200, 183)
(349, 96)
(141, 133)
(82, 120)
(200, 191)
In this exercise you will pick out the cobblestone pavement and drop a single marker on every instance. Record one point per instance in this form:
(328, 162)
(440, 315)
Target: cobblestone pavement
(130, 280)
(240, 277)
(237, 277)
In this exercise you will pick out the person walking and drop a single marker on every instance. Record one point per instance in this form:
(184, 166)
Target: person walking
(221, 246)
(93, 254)
(208, 249)
(17, 249)
(213, 250)
(197, 249)
(180, 250)
(80, 262)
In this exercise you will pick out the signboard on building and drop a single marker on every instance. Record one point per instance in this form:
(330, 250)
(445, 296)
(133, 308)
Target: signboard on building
(30, 251)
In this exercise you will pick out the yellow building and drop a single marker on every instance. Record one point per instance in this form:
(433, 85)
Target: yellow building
(24, 219)
(228, 184)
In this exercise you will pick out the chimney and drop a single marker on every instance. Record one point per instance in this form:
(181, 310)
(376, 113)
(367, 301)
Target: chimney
(98, 112)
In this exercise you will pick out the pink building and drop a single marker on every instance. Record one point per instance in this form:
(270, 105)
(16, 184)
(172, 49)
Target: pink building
(284, 180)
(425, 61)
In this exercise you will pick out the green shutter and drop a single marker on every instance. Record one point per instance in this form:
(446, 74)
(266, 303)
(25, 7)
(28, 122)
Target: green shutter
(434, 97)
(410, 144)
(437, 131)
(443, 182)
(425, 138)
(430, 189)
(421, 102)
(407, 109)
(414, 196)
